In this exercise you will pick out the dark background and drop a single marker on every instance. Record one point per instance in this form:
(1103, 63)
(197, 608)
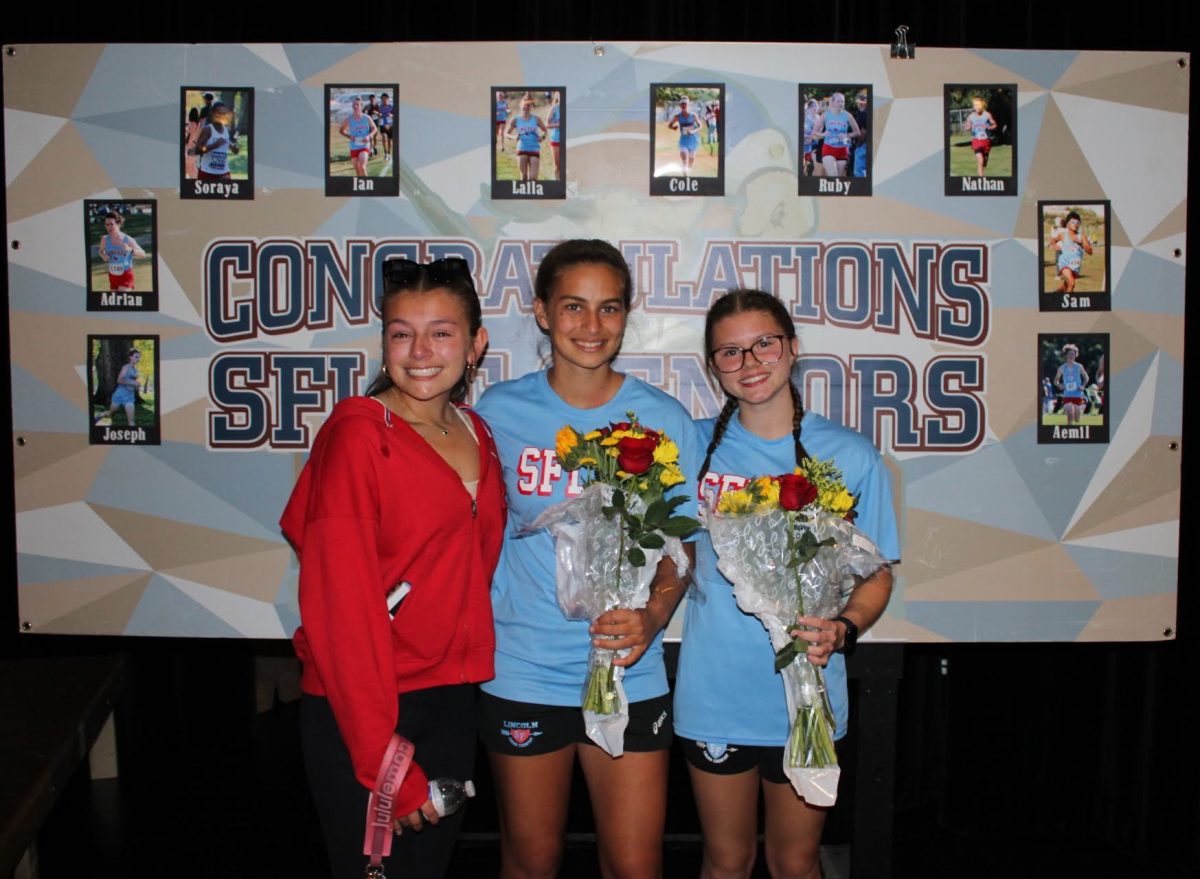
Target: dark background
(1022, 759)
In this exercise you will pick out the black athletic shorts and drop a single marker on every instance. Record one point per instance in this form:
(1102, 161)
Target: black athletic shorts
(529, 729)
(722, 759)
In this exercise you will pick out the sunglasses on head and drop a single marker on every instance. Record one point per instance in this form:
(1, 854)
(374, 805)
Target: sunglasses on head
(407, 273)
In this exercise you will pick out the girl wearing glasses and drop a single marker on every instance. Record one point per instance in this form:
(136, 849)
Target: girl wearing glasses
(730, 713)
(397, 521)
(530, 719)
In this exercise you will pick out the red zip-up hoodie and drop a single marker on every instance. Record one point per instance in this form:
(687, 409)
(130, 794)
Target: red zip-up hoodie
(374, 506)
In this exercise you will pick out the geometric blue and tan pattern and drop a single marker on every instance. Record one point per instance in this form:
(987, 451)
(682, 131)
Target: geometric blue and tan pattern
(1008, 540)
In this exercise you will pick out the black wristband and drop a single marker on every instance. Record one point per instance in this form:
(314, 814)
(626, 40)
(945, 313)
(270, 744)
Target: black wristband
(850, 641)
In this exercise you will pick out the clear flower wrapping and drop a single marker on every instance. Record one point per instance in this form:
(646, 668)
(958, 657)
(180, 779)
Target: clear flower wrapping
(794, 553)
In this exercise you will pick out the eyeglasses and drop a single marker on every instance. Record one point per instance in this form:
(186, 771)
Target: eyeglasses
(406, 273)
(731, 358)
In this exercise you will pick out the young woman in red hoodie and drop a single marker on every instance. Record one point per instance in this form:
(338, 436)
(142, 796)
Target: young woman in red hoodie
(402, 501)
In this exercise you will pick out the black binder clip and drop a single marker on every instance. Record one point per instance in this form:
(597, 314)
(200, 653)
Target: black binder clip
(901, 47)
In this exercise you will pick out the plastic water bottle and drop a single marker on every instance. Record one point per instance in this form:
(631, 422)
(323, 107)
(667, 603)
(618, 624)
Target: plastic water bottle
(448, 795)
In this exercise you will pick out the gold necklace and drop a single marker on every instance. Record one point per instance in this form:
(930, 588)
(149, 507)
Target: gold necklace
(444, 431)
(412, 422)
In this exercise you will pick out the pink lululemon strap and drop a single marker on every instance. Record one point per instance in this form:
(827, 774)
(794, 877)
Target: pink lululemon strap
(396, 760)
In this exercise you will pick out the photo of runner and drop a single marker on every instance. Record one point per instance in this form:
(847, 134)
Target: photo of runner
(119, 250)
(981, 139)
(835, 157)
(1073, 243)
(687, 136)
(123, 390)
(529, 152)
(360, 135)
(215, 143)
(1074, 407)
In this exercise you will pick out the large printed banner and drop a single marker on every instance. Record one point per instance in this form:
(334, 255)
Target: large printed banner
(982, 252)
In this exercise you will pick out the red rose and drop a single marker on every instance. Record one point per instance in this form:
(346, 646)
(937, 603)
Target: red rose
(636, 454)
(620, 425)
(795, 492)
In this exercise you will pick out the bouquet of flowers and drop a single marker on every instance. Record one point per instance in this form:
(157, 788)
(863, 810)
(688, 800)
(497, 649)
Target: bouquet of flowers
(789, 546)
(609, 541)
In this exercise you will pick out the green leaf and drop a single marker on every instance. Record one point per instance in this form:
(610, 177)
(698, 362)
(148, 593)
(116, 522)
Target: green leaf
(788, 653)
(608, 511)
(676, 500)
(634, 525)
(650, 540)
(636, 557)
(657, 514)
(618, 499)
(809, 541)
(785, 656)
(806, 548)
(679, 526)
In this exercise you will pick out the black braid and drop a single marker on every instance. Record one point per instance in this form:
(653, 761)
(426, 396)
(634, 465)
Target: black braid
(797, 417)
(718, 431)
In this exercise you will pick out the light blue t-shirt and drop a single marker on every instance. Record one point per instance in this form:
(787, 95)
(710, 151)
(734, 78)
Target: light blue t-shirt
(120, 255)
(360, 132)
(727, 690)
(980, 125)
(1071, 255)
(541, 656)
(837, 133)
(1072, 379)
(528, 135)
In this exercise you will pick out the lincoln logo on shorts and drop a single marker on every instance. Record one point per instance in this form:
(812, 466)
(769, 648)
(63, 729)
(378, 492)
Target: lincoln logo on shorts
(520, 733)
(716, 752)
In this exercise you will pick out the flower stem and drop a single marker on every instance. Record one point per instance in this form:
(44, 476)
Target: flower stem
(600, 693)
(801, 646)
(810, 744)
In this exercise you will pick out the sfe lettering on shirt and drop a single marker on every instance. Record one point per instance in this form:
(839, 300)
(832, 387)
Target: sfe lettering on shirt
(539, 472)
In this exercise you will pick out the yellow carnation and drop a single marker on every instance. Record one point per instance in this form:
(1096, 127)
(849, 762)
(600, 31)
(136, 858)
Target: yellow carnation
(671, 475)
(565, 442)
(666, 452)
(736, 502)
(843, 502)
(767, 490)
(592, 435)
